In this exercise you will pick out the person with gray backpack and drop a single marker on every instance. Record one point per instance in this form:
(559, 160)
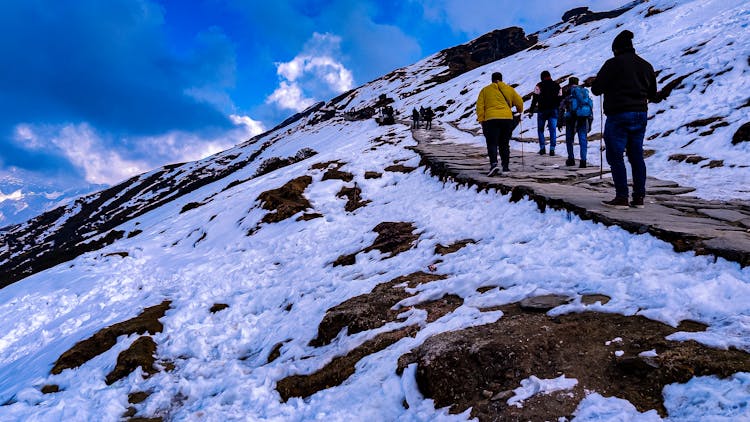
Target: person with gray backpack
(577, 111)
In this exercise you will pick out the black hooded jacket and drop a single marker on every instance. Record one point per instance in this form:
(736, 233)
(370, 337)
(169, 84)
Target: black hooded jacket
(627, 81)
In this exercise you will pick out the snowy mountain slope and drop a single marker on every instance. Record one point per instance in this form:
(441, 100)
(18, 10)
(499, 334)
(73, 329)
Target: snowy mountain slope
(206, 244)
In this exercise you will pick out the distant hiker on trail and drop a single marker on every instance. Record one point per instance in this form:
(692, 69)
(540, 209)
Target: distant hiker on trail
(495, 115)
(628, 82)
(544, 102)
(415, 118)
(428, 116)
(576, 108)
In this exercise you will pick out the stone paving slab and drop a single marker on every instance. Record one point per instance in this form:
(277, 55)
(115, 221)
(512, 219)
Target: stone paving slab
(718, 228)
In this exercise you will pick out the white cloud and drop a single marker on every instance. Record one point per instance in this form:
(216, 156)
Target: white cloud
(289, 96)
(103, 160)
(15, 196)
(314, 73)
(253, 127)
(86, 150)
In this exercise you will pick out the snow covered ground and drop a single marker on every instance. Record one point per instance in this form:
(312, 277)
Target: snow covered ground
(205, 256)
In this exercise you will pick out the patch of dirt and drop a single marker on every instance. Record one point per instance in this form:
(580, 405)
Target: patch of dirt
(695, 159)
(354, 196)
(393, 238)
(140, 353)
(445, 250)
(138, 397)
(672, 85)
(323, 166)
(286, 200)
(714, 164)
(742, 134)
(478, 367)
(218, 307)
(400, 168)
(275, 352)
(309, 216)
(104, 339)
(50, 388)
(340, 368)
(371, 310)
(334, 174)
(373, 175)
(704, 122)
(275, 163)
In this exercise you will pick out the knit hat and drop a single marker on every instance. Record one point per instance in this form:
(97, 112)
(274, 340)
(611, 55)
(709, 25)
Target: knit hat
(573, 80)
(623, 41)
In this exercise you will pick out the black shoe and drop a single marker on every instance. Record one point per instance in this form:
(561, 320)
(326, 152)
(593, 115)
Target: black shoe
(552, 153)
(570, 162)
(493, 171)
(582, 165)
(542, 151)
(637, 203)
(617, 203)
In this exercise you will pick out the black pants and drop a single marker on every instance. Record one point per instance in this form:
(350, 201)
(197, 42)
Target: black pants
(497, 134)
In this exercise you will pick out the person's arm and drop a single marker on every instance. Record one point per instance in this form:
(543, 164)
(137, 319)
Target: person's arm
(480, 107)
(534, 100)
(602, 80)
(517, 101)
(653, 94)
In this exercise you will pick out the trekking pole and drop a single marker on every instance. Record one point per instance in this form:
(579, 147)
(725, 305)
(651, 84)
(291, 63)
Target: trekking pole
(520, 139)
(601, 137)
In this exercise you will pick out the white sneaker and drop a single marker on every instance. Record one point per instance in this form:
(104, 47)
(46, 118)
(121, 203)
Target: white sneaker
(493, 171)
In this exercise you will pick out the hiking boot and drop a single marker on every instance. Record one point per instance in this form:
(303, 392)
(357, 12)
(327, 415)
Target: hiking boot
(582, 164)
(505, 168)
(552, 153)
(493, 171)
(542, 151)
(570, 162)
(618, 203)
(637, 202)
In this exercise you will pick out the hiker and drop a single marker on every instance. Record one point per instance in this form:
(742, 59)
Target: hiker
(628, 82)
(415, 118)
(544, 102)
(428, 116)
(495, 115)
(577, 111)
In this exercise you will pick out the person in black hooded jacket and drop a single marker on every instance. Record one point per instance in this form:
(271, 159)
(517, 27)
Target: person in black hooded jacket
(628, 82)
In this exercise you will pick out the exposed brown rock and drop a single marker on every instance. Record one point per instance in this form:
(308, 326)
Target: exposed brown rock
(742, 134)
(275, 352)
(332, 174)
(371, 310)
(50, 388)
(454, 247)
(140, 353)
(286, 200)
(400, 168)
(354, 196)
(373, 175)
(138, 397)
(104, 339)
(393, 237)
(340, 368)
(460, 368)
(218, 307)
(309, 216)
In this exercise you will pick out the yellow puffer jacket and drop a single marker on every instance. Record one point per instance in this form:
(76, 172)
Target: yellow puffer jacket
(492, 105)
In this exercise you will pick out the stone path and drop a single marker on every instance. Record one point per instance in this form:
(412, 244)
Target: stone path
(706, 227)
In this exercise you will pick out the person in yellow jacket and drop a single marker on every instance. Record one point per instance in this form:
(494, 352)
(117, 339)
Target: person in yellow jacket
(495, 115)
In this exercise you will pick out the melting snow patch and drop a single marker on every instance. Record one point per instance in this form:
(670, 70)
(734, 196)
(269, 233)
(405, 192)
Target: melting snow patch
(532, 386)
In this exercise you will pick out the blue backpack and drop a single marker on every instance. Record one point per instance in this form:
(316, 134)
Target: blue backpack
(580, 102)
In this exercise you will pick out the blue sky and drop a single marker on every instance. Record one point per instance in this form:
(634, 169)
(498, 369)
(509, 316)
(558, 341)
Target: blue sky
(96, 91)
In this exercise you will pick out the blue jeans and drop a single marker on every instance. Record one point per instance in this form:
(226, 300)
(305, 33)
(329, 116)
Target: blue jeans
(624, 132)
(576, 125)
(548, 117)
